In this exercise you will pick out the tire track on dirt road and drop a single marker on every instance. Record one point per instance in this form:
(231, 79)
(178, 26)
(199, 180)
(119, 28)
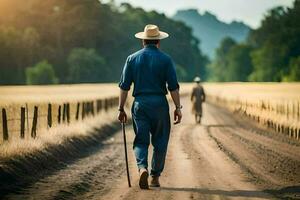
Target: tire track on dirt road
(273, 163)
(195, 169)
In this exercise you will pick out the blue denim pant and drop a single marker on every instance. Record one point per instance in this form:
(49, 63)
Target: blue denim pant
(151, 121)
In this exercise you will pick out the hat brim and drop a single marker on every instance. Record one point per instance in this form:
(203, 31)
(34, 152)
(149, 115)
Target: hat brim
(143, 36)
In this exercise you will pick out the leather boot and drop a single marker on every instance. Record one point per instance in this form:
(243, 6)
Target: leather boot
(143, 182)
(155, 181)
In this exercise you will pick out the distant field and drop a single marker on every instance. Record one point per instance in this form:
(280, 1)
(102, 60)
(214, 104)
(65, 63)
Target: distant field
(252, 92)
(58, 93)
(55, 93)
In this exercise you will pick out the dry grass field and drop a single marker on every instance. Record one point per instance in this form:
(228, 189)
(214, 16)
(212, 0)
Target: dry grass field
(55, 93)
(275, 105)
(276, 102)
(54, 136)
(12, 98)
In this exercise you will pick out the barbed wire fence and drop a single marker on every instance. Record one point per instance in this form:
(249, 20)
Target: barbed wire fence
(283, 116)
(26, 121)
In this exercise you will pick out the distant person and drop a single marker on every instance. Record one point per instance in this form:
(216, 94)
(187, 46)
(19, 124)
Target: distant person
(152, 73)
(197, 98)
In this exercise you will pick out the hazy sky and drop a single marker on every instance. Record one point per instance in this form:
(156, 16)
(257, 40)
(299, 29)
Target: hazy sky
(249, 11)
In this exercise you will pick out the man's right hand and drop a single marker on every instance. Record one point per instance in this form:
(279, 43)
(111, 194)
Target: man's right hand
(177, 116)
(122, 116)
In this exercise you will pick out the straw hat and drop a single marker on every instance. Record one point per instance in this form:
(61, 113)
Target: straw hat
(151, 32)
(197, 79)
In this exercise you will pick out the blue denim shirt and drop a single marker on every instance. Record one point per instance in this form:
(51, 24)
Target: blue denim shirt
(151, 71)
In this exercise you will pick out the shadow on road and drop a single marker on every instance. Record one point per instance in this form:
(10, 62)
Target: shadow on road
(292, 192)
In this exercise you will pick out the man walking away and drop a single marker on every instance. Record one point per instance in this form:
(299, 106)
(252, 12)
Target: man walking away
(152, 73)
(197, 98)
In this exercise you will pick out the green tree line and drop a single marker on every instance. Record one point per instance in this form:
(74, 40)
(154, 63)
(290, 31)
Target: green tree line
(271, 52)
(63, 41)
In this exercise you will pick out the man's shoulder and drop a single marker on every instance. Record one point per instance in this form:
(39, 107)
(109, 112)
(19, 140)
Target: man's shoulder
(165, 55)
(135, 54)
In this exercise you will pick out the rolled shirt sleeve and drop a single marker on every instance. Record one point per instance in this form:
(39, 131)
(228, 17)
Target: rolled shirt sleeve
(171, 77)
(126, 76)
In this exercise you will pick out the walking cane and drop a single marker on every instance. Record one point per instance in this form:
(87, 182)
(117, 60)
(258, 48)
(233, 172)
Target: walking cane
(126, 158)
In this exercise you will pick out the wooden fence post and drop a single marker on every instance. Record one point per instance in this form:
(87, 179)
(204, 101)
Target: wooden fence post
(34, 122)
(68, 113)
(105, 105)
(99, 105)
(64, 112)
(49, 116)
(22, 132)
(92, 108)
(83, 110)
(109, 103)
(59, 114)
(87, 108)
(77, 111)
(27, 119)
(4, 124)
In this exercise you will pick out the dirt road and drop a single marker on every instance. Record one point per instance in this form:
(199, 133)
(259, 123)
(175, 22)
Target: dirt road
(223, 158)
